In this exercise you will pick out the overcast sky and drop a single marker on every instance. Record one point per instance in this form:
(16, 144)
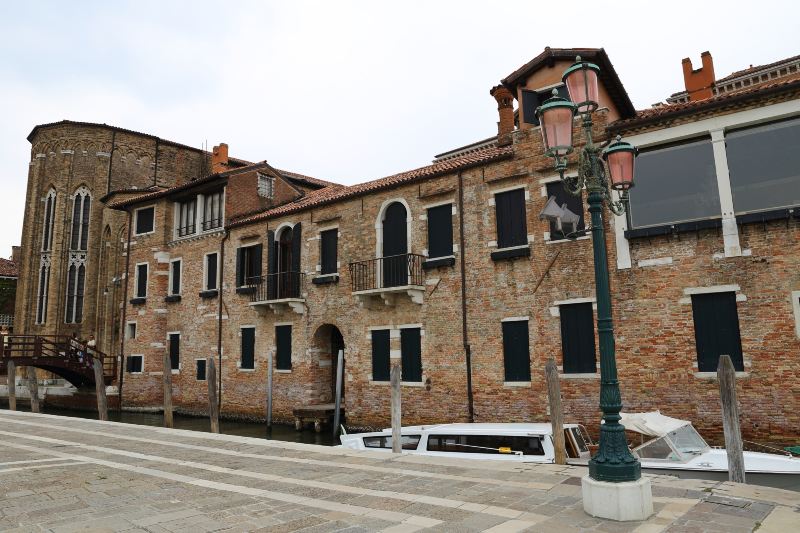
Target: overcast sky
(348, 91)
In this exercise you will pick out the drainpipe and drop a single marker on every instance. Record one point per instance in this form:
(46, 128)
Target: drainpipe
(467, 348)
(221, 269)
(124, 311)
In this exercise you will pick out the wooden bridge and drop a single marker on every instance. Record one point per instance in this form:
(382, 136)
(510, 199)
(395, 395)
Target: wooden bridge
(64, 356)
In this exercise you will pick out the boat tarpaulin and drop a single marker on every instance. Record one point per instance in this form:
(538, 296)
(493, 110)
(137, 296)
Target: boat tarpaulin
(653, 423)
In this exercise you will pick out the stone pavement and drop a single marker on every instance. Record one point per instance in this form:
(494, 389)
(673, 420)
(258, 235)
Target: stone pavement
(65, 474)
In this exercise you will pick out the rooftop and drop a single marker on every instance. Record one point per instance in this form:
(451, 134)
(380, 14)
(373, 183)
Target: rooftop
(8, 268)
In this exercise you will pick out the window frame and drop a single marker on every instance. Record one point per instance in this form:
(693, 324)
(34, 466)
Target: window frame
(197, 362)
(328, 231)
(451, 204)
(406, 379)
(278, 356)
(497, 219)
(205, 271)
(171, 280)
(128, 324)
(180, 207)
(136, 221)
(378, 377)
(169, 350)
(136, 280)
(270, 187)
(140, 357)
(506, 378)
(564, 354)
(244, 264)
(736, 358)
(239, 363)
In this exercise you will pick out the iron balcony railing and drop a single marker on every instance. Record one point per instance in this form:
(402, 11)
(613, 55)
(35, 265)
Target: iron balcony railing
(385, 272)
(210, 224)
(278, 286)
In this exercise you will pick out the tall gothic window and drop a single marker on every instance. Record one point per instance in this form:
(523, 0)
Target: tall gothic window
(44, 260)
(78, 244)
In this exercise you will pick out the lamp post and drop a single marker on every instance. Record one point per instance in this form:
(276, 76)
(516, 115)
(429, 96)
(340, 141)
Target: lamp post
(613, 462)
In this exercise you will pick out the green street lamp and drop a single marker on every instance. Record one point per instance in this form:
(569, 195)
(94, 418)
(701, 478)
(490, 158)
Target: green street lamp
(613, 461)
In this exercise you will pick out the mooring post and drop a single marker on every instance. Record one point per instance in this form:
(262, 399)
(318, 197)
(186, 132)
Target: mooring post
(556, 412)
(269, 389)
(337, 403)
(395, 378)
(167, 379)
(11, 379)
(33, 389)
(213, 406)
(726, 375)
(100, 388)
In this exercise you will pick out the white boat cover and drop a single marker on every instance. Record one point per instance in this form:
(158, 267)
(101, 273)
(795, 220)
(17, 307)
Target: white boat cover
(653, 423)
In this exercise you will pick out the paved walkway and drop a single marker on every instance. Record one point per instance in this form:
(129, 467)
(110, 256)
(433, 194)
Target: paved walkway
(65, 474)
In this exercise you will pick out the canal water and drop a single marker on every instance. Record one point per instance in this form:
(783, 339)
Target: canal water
(228, 427)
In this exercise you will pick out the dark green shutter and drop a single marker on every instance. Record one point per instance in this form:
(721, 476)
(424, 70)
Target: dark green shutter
(255, 264)
(577, 339)
(283, 344)
(380, 355)
(175, 350)
(239, 267)
(248, 348)
(512, 226)
(201, 370)
(272, 266)
(440, 231)
(211, 271)
(141, 281)
(716, 330)
(530, 101)
(516, 355)
(329, 241)
(176, 278)
(411, 354)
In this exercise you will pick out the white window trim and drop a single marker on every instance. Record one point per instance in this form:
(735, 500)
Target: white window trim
(205, 272)
(495, 192)
(141, 356)
(379, 225)
(713, 288)
(180, 275)
(555, 308)
(796, 308)
(516, 319)
(136, 220)
(136, 280)
(439, 204)
(135, 326)
(180, 342)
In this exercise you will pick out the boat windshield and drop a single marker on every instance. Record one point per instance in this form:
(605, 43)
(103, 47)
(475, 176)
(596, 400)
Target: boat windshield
(687, 440)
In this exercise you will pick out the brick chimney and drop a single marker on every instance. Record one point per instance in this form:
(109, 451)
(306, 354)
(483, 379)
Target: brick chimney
(219, 158)
(16, 252)
(699, 82)
(505, 108)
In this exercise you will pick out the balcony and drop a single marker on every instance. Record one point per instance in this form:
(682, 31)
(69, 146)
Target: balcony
(387, 277)
(278, 292)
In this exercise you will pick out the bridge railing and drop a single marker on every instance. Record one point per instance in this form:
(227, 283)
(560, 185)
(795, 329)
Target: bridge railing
(72, 351)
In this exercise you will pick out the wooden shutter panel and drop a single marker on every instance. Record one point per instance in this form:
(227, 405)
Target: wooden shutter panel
(283, 344)
(577, 339)
(530, 101)
(129, 364)
(248, 348)
(239, 267)
(411, 354)
(512, 226)
(176, 278)
(175, 350)
(516, 355)
(272, 266)
(201, 370)
(211, 271)
(716, 330)
(440, 231)
(297, 246)
(255, 263)
(329, 251)
(380, 355)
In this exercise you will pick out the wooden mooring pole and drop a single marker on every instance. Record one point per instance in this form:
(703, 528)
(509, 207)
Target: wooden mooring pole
(726, 375)
(337, 403)
(395, 378)
(167, 380)
(100, 388)
(556, 412)
(269, 389)
(33, 389)
(11, 379)
(213, 406)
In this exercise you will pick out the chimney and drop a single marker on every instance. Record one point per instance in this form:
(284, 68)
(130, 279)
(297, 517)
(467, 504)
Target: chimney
(219, 158)
(15, 256)
(699, 82)
(505, 108)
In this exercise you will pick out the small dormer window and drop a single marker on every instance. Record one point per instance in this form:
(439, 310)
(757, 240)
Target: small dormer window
(266, 186)
(533, 99)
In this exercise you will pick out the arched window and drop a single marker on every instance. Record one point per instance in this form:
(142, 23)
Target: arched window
(49, 218)
(81, 205)
(44, 260)
(78, 244)
(41, 297)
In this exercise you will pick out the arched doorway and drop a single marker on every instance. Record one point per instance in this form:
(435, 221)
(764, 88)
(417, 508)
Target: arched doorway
(395, 245)
(327, 342)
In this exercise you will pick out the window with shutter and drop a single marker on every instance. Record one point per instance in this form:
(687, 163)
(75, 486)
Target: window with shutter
(573, 203)
(516, 354)
(533, 99)
(248, 348)
(248, 265)
(175, 351)
(145, 218)
(577, 338)
(201, 369)
(440, 231)
(411, 354)
(329, 242)
(134, 364)
(283, 347)
(211, 272)
(175, 277)
(716, 330)
(141, 280)
(512, 226)
(380, 355)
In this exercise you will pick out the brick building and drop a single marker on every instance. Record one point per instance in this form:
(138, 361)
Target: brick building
(446, 269)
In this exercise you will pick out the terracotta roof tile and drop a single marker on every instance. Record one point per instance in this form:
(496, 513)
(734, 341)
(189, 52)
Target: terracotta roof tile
(757, 68)
(668, 110)
(330, 195)
(8, 268)
(307, 179)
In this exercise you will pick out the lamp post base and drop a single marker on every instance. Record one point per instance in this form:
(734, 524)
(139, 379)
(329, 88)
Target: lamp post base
(625, 501)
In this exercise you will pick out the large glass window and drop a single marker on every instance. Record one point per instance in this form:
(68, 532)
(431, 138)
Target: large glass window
(186, 217)
(145, 218)
(763, 170)
(675, 184)
(212, 211)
